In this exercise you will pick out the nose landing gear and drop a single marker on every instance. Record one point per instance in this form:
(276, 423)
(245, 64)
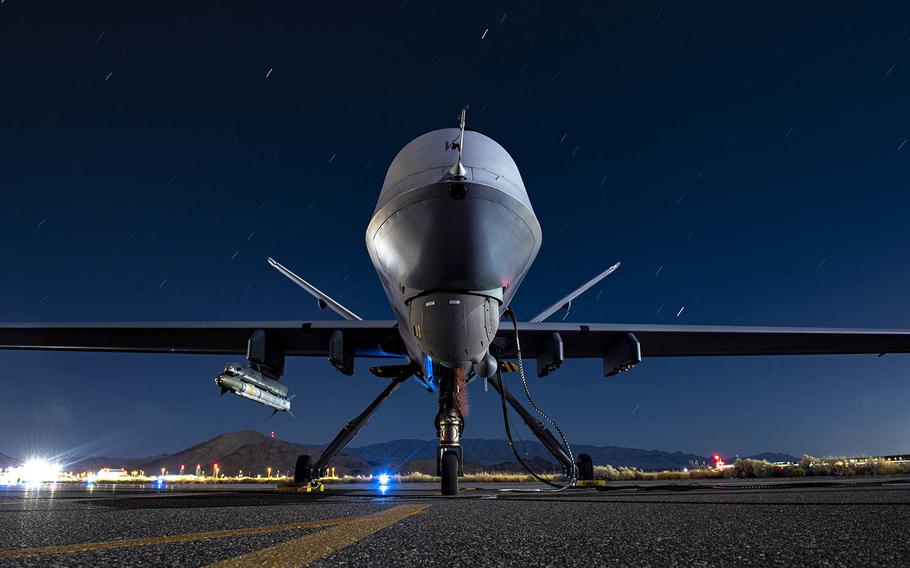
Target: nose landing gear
(449, 426)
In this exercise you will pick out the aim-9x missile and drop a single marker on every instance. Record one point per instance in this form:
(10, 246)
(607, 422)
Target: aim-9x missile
(250, 383)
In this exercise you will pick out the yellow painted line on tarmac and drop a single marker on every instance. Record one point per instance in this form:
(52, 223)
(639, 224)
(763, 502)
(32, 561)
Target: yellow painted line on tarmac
(312, 547)
(131, 543)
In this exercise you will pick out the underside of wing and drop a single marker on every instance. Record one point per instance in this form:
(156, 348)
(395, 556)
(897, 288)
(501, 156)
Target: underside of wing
(623, 345)
(268, 341)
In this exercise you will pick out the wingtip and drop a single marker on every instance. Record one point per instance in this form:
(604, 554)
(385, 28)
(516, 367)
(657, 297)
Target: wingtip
(272, 262)
(613, 268)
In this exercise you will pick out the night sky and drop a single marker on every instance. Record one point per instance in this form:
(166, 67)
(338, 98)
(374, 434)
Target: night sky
(746, 163)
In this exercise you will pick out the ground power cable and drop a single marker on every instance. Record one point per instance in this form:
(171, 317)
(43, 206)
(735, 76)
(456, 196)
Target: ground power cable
(508, 429)
(571, 474)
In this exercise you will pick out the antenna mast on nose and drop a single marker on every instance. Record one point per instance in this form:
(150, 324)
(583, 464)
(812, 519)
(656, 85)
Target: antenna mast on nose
(458, 171)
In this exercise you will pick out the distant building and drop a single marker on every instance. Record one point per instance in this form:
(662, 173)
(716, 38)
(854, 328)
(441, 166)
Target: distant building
(109, 474)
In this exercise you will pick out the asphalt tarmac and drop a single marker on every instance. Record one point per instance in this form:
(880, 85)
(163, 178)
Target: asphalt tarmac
(831, 522)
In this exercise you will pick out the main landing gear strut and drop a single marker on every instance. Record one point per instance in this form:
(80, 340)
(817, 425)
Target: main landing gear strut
(308, 473)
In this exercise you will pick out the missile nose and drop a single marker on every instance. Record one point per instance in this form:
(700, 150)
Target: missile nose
(226, 381)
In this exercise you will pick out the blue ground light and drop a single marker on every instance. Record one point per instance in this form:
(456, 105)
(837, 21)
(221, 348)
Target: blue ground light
(384, 481)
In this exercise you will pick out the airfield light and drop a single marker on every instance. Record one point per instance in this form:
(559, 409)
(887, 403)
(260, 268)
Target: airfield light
(37, 470)
(385, 481)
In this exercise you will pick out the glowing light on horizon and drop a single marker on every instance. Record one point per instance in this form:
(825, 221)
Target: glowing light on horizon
(39, 470)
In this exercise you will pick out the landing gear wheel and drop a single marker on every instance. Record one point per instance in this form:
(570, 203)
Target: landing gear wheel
(302, 471)
(449, 472)
(585, 467)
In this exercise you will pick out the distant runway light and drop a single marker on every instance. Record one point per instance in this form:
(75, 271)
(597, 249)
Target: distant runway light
(37, 470)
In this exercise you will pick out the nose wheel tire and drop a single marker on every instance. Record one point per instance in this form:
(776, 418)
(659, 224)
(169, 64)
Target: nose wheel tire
(449, 471)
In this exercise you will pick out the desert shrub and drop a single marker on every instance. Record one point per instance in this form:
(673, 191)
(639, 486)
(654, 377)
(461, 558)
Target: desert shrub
(806, 462)
(710, 473)
(610, 473)
(753, 468)
(841, 466)
(743, 468)
(672, 475)
(886, 468)
(416, 477)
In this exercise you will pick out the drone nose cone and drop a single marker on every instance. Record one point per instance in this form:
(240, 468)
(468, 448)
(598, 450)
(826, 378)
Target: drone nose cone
(454, 239)
(435, 230)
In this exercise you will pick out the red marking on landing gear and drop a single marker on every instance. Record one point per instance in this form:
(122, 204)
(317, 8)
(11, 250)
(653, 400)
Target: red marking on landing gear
(462, 392)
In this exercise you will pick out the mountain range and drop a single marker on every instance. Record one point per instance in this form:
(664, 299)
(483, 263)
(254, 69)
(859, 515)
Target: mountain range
(6, 461)
(491, 452)
(246, 450)
(253, 452)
